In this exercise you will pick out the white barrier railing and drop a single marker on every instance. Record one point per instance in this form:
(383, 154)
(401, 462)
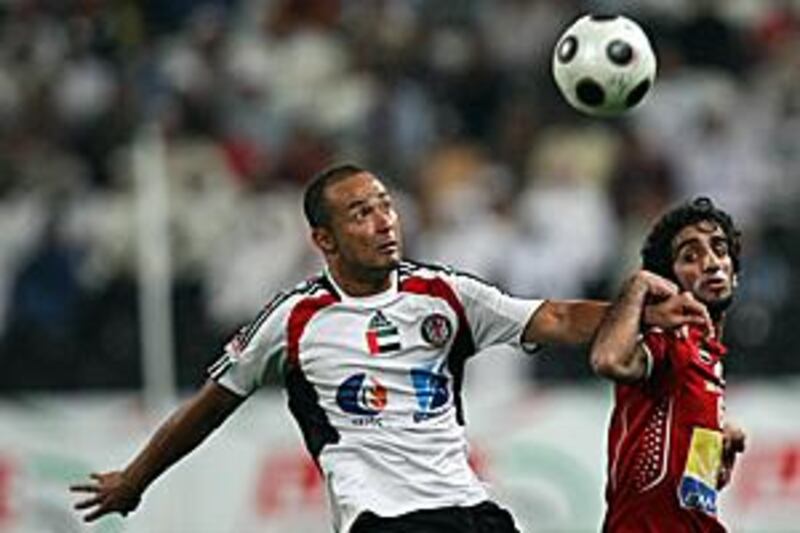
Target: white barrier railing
(542, 452)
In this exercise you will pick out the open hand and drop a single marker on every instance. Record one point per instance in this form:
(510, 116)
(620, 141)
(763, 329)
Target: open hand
(108, 492)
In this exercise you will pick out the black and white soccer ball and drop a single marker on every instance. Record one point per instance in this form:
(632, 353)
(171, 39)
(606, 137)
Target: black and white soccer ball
(604, 65)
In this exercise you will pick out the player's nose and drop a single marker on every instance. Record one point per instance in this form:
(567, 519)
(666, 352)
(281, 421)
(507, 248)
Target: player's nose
(384, 221)
(711, 263)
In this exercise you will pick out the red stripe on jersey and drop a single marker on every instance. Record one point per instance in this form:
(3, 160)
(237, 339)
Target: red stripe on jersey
(298, 320)
(438, 288)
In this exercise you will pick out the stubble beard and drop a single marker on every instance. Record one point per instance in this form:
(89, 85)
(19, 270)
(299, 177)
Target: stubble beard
(717, 308)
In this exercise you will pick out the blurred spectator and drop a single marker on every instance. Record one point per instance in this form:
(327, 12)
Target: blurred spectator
(520, 33)
(462, 195)
(567, 224)
(643, 185)
(709, 40)
(46, 300)
(452, 101)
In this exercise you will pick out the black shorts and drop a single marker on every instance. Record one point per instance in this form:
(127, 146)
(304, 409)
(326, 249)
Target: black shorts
(486, 517)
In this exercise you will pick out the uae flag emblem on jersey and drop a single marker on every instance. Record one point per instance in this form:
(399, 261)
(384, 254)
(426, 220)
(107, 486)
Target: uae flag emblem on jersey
(382, 335)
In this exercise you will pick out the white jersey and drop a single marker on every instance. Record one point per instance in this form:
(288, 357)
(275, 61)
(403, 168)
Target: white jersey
(375, 382)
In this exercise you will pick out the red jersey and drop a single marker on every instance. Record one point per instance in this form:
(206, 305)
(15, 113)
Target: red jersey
(665, 439)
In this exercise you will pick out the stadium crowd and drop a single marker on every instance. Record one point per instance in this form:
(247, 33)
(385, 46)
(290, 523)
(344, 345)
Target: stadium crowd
(452, 102)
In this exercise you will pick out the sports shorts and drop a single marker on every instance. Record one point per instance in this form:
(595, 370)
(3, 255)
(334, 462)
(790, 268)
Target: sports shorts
(486, 517)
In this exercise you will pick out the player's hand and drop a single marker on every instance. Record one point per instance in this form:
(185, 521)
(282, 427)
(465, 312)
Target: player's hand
(733, 443)
(109, 492)
(677, 311)
(665, 306)
(657, 287)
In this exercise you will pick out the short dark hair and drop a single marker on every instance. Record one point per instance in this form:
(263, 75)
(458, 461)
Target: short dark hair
(314, 205)
(657, 253)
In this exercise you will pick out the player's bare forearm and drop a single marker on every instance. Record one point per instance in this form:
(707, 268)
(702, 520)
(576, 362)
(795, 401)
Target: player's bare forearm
(577, 321)
(183, 431)
(614, 353)
(565, 322)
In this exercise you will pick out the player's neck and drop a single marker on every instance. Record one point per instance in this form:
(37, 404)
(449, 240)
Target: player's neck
(360, 282)
(719, 327)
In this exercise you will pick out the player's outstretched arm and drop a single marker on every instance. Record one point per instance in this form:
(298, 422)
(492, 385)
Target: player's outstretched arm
(577, 321)
(615, 352)
(565, 322)
(183, 431)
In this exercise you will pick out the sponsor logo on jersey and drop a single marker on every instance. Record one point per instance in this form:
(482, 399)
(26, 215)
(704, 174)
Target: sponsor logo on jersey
(362, 395)
(698, 486)
(431, 391)
(436, 330)
(382, 335)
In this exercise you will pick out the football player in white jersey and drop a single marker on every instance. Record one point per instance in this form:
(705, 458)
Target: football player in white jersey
(371, 353)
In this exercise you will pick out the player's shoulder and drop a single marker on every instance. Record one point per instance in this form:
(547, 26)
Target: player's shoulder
(313, 287)
(651, 334)
(660, 341)
(672, 335)
(410, 268)
(274, 313)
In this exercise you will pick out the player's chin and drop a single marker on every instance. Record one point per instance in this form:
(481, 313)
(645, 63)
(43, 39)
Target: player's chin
(718, 303)
(381, 263)
(391, 262)
(387, 259)
(716, 296)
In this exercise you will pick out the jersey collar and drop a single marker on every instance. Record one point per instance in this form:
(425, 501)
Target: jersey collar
(379, 299)
(698, 335)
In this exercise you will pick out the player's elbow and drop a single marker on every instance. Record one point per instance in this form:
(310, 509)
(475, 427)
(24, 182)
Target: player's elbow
(602, 364)
(608, 365)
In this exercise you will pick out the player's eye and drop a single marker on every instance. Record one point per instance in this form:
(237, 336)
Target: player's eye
(720, 248)
(362, 212)
(689, 256)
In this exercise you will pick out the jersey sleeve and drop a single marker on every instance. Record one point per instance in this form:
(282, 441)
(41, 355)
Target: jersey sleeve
(494, 316)
(255, 354)
(655, 345)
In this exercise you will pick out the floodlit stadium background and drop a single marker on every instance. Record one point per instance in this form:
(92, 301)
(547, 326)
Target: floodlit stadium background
(152, 155)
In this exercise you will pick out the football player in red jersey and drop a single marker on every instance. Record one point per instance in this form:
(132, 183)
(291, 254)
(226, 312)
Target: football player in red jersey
(670, 450)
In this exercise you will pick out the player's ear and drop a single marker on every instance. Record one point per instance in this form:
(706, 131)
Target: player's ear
(735, 281)
(324, 240)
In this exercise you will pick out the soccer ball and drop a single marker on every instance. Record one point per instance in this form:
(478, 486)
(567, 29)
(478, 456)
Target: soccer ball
(604, 65)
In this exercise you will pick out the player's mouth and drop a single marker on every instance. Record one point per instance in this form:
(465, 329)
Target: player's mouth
(716, 283)
(389, 247)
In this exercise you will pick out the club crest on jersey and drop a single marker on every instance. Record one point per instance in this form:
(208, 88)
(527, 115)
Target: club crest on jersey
(704, 356)
(382, 336)
(436, 330)
(360, 395)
